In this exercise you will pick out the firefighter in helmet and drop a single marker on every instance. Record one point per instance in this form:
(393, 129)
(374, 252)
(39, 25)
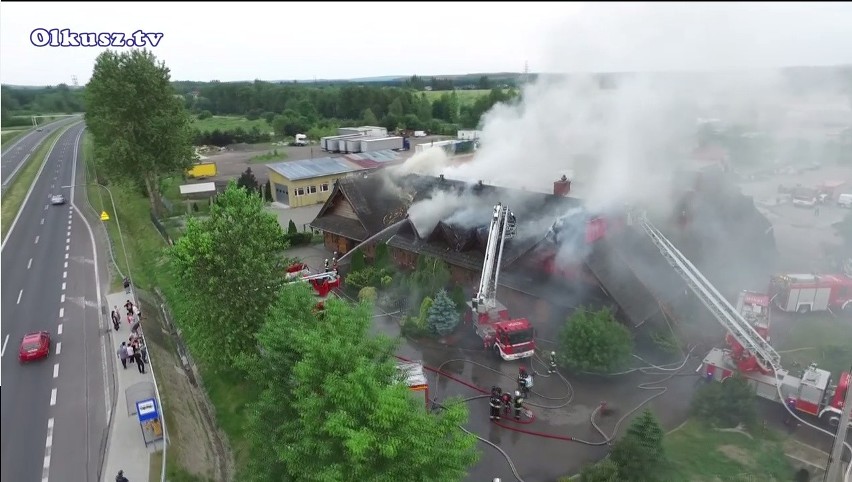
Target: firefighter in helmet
(523, 381)
(552, 368)
(519, 404)
(495, 403)
(507, 404)
(326, 265)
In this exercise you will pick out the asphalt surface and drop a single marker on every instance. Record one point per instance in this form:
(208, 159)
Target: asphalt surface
(53, 411)
(21, 149)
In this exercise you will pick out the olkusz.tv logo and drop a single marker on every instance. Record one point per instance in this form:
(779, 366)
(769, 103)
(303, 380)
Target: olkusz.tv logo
(42, 37)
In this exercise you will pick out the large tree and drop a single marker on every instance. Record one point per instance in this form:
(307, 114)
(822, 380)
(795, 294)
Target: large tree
(639, 455)
(228, 269)
(594, 341)
(140, 126)
(333, 407)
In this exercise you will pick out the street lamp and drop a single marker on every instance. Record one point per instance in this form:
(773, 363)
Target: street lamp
(115, 213)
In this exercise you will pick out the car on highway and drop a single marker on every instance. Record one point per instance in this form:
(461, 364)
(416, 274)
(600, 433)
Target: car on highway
(39, 129)
(34, 346)
(57, 199)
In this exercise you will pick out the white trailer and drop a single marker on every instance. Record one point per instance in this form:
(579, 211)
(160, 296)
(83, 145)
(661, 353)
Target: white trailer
(380, 144)
(469, 135)
(330, 143)
(353, 145)
(371, 131)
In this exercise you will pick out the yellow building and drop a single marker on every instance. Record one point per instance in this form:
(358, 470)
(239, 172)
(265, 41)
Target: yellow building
(309, 181)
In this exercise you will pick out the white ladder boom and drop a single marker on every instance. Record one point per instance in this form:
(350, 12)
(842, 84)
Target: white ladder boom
(727, 315)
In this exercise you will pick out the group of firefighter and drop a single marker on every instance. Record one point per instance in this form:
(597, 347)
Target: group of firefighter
(507, 402)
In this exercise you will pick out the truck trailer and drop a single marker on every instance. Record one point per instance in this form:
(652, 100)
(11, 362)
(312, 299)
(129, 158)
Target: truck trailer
(381, 144)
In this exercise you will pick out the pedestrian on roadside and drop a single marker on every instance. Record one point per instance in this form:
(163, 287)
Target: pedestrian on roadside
(143, 349)
(116, 319)
(129, 307)
(122, 354)
(128, 348)
(126, 285)
(120, 477)
(137, 357)
(134, 328)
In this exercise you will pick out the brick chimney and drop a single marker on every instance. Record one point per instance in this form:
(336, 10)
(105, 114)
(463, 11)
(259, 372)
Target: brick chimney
(562, 187)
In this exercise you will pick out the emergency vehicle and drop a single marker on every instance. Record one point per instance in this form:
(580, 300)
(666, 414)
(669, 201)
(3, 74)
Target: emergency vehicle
(413, 375)
(803, 293)
(749, 353)
(322, 283)
(510, 339)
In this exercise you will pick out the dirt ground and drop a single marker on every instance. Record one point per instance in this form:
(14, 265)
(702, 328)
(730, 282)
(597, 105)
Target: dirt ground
(195, 443)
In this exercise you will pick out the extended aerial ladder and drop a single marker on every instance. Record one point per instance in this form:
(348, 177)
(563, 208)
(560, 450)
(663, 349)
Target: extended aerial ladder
(502, 228)
(749, 339)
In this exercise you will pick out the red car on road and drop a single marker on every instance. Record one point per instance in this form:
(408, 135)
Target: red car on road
(34, 346)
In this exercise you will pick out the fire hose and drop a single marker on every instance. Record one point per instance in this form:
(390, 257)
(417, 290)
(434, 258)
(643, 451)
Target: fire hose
(607, 439)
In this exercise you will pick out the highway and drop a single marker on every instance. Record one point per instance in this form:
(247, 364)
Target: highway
(20, 149)
(53, 412)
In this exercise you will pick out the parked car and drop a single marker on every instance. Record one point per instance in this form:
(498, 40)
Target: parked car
(34, 346)
(844, 200)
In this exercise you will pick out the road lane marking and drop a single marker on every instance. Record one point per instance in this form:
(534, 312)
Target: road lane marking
(48, 444)
(66, 255)
(64, 274)
(3, 350)
(68, 239)
(67, 247)
(56, 370)
(19, 297)
(42, 221)
(36, 241)
(63, 286)
(66, 265)
(53, 397)
(62, 300)
(30, 263)
(53, 186)
(61, 312)
(58, 347)
(59, 329)
(45, 207)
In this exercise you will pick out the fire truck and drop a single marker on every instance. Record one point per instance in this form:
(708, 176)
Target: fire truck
(322, 283)
(413, 375)
(804, 293)
(749, 352)
(510, 339)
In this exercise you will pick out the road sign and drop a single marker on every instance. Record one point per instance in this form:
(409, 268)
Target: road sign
(104, 216)
(149, 419)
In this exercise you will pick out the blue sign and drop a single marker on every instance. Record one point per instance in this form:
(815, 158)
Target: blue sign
(147, 410)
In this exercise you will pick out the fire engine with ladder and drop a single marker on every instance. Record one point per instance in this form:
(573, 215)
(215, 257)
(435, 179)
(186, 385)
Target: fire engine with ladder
(322, 283)
(510, 339)
(749, 352)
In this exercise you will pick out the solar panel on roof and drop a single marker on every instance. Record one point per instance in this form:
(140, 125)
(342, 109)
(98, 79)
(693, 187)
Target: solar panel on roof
(308, 168)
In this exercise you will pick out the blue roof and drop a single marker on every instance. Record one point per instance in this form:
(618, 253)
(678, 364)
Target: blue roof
(310, 168)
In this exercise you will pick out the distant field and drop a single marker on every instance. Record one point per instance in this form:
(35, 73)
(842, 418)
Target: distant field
(224, 123)
(466, 97)
(11, 133)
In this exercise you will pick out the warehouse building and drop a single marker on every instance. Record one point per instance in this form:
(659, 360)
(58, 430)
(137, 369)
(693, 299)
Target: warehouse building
(310, 181)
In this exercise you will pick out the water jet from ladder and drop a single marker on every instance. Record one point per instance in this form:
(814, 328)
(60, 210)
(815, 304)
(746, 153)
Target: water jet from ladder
(371, 238)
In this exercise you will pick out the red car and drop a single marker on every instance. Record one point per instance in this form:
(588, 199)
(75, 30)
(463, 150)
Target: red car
(34, 346)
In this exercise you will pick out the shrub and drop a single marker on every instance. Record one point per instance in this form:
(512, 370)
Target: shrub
(442, 316)
(726, 404)
(367, 293)
(594, 341)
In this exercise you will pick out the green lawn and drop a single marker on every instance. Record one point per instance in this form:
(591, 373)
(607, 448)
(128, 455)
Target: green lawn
(698, 453)
(466, 97)
(224, 123)
(11, 133)
(818, 338)
(17, 190)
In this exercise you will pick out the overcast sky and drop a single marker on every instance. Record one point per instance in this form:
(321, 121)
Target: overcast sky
(276, 41)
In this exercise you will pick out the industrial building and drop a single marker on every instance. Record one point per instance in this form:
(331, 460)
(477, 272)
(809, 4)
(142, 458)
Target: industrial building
(310, 181)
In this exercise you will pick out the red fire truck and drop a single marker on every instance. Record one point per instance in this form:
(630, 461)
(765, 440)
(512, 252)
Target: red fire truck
(749, 352)
(511, 339)
(322, 283)
(803, 293)
(413, 375)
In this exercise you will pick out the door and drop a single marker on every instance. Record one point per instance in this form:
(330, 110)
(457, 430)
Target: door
(342, 245)
(821, 299)
(793, 300)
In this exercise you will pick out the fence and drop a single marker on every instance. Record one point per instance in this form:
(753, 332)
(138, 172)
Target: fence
(161, 229)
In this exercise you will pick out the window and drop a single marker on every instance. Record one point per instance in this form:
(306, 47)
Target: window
(300, 191)
(324, 187)
(312, 189)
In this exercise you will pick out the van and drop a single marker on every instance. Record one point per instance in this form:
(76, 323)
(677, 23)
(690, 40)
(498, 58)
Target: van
(844, 200)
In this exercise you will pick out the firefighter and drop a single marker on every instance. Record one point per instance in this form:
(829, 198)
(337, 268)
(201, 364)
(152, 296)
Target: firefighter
(326, 265)
(552, 363)
(523, 381)
(519, 404)
(791, 405)
(495, 403)
(507, 404)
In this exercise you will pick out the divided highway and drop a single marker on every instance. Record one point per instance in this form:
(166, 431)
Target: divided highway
(54, 411)
(21, 149)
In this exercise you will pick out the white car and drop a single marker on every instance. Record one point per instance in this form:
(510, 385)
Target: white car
(57, 199)
(804, 202)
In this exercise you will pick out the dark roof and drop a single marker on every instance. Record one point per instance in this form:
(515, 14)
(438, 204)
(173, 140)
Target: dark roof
(349, 228)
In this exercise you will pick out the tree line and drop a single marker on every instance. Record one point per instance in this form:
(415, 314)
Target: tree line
(18, 104)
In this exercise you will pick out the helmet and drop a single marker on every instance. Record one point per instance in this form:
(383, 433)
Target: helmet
(553, 353)
(522, 370)
(517, 393)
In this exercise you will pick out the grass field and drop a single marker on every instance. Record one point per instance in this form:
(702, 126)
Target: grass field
(821, 339)
(224, 123)
(271, 156)
(17, 190)
(12, 133)
(466, 97)
(698, 453)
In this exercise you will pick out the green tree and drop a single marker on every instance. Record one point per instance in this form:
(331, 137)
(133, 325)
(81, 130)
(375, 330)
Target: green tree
(368, 117)
(594, 341)
(604, 471)
(333, 407)
(367, 293)
(639, 454)
(484, 83)
(141, 129)
(248, 181)
(228, 275)
(291, 227)
(726, 404)
(358, 262)
(382, 258)
(395, 108)
(442, 316)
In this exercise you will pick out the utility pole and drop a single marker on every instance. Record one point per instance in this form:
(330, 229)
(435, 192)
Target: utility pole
(834, 473)
(74, 81)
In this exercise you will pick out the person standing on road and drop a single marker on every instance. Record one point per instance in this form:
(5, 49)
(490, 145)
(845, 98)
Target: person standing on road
(519, 404)
(495, 403)
(126, 285)
(137, 357)
(116, 319)
(120, 477)
(122, 354)
(507, 404)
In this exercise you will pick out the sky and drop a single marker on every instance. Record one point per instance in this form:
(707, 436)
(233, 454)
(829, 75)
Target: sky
(231, 41)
